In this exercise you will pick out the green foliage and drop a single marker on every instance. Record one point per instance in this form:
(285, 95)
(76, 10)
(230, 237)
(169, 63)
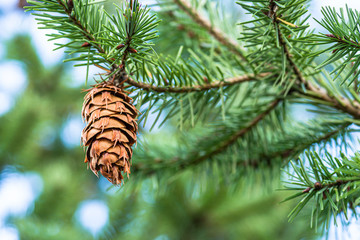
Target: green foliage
(85, 22)
(345, 42)
(196, 207)
(225, 106)
(333, 184)
(134, 27)
(196, 71)
(274, 25)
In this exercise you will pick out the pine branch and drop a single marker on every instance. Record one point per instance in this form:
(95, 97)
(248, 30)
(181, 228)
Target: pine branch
(344, 39)
(267, 13)
(196, 88)
(290, 146)
(331, 182)
(185, 162)
(71, 21)
(339, 102)
(100, 37)
(68, 9)
(215, 32)
(295, 150)
(224, 145)
(285, 148)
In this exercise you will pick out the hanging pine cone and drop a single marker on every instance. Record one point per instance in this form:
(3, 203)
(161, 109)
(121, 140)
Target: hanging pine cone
(110, 132)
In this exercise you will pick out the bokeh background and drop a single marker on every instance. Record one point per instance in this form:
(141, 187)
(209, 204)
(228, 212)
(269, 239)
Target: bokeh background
(47, 193)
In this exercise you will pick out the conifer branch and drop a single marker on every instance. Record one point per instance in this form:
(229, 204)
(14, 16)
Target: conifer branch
(76, 22)
(220, 148)
(298, 149)
(339, 102)
(255, 163)
(197, 88)
(215, 32)
(343, 41)
(128, 40)
(224, 145)
(291, 152)
(288, 153)
(338, 183)
(331, 182)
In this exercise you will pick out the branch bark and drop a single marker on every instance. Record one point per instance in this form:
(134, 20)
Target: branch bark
(197, 88)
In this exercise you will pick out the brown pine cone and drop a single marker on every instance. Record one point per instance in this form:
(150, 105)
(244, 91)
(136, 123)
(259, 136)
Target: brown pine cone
(110, 132)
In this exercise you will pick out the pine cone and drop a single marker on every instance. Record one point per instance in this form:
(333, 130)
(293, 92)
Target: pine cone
(110, 132)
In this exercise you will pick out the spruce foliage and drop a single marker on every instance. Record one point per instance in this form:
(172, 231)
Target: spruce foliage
(229, 89)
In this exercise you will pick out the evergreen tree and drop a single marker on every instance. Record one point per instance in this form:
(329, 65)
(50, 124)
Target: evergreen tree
(224, 94)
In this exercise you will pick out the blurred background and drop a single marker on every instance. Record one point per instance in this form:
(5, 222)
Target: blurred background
(47, 193)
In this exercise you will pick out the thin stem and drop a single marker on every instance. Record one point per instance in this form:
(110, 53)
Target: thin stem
(197, 88)
(344, 41)
(356, 81)
(128, 38)
(215, 32)
(319, 186)
(91, 38)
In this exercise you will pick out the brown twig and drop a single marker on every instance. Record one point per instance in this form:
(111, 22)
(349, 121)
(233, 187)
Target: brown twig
(215, 32)
(343, 41)
(319, 186)
(196, 88)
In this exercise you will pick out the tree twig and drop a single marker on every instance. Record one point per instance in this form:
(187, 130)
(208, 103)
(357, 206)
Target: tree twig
(197, 88)
(319, 186)
(290, 152)
(215, 32)
(297, 149)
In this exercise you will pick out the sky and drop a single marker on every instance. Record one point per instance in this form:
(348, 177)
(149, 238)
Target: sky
(18, 191)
